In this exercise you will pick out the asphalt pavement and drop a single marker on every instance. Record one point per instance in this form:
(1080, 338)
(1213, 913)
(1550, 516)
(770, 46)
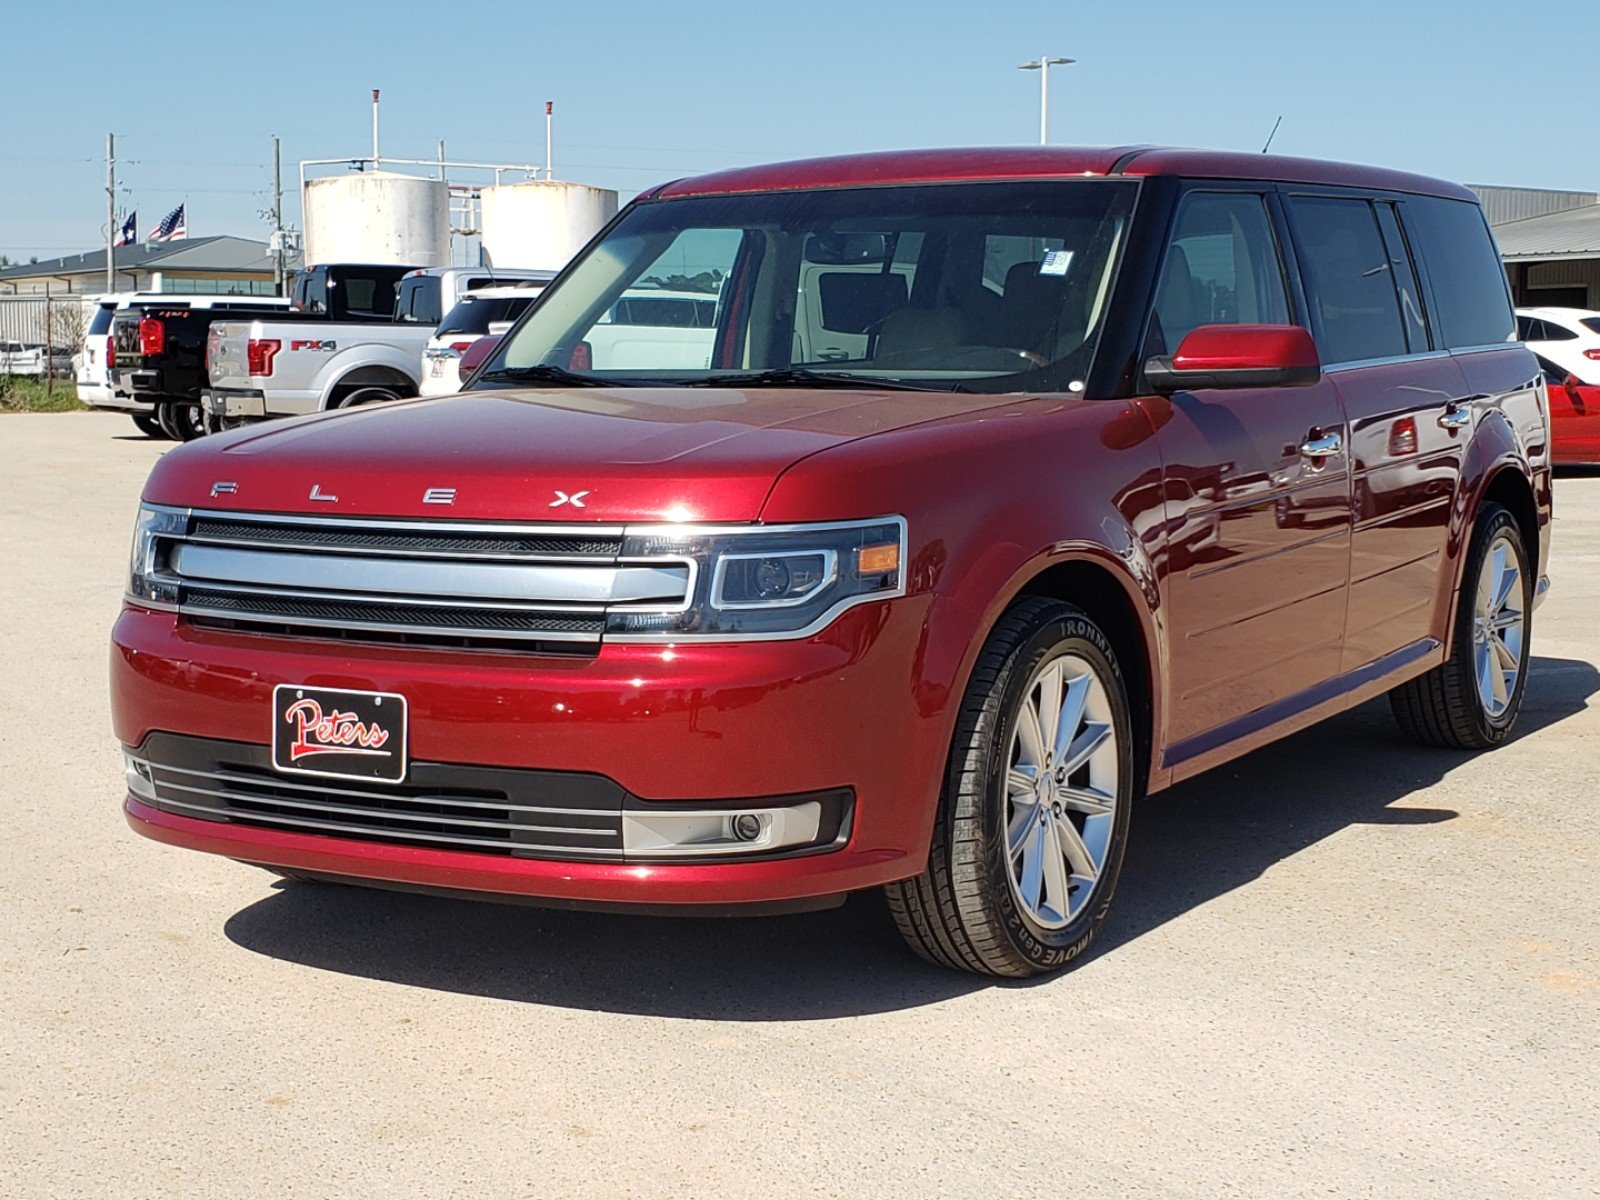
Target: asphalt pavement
(1343, 966)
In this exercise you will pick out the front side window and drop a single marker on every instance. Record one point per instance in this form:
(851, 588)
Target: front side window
(1221, 267)
(992, 287)
(1348, 274)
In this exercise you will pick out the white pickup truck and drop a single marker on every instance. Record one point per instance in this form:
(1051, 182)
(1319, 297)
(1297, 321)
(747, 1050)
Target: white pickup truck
(338, 346)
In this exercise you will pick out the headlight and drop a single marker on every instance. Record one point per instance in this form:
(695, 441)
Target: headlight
(144, 561)
(774, 581)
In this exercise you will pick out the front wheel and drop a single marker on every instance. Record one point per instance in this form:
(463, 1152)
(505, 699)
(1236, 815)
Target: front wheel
(1034, 816)
(1471, 700)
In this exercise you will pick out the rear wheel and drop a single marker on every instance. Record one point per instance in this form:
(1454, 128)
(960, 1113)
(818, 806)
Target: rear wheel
(375, 394)
(181, 420)
(1471, 700)
(1034, 816)
(148, 424)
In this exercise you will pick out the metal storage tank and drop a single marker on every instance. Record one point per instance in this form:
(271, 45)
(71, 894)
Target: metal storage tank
(540, 224)
(378, 217)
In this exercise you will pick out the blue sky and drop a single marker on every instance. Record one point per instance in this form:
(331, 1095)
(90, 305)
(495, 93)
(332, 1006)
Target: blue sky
(650, 91)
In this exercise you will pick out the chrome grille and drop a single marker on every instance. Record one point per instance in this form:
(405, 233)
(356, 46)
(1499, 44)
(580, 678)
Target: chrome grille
(530, 814)
(479, 585)
(425, 540)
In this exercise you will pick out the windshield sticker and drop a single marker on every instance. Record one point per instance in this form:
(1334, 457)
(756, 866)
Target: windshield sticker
(1055, 262)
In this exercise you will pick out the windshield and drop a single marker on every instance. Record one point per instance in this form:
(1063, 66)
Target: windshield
(475, 313)
(986, 287)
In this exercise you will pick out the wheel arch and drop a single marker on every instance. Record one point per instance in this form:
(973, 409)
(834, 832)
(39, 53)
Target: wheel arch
(369, 375)
(1116, 602)
(1509, 487)
(1497, 473)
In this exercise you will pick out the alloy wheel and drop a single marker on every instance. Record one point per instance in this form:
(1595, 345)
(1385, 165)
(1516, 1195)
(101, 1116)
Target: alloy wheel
(1498, 623)
(1061, 791)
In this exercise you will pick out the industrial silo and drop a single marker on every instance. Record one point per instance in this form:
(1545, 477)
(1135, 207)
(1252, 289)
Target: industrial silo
(378, 217)
(540, 224)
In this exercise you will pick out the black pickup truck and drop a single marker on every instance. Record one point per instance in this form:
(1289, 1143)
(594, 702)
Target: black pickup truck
(160, 349)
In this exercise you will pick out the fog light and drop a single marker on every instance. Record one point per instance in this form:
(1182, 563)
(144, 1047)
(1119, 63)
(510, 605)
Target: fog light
(680, 833)
(137, 775)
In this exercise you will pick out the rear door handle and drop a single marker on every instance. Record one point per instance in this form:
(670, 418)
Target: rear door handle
(1455, 417)
(1322, 447)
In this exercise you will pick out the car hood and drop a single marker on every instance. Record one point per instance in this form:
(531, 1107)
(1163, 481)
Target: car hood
(582, 454)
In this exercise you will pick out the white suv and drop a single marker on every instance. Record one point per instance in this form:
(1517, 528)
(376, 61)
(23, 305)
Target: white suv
(1568, 337)
(479, 314)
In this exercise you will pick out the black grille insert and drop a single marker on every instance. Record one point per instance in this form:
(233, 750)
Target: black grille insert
(483, 810)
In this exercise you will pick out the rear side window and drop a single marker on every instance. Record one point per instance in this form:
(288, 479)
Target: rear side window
(311, 293)
(101, 323)
(669, 312)
(1592, 324)
(1470, 298)
(420, 300)
(1348, 273)
(1221, 268)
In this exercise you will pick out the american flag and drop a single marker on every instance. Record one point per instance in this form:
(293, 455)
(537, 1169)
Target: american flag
(172, 227)
(129, 233)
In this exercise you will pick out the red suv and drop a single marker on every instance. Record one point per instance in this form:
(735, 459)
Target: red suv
(997, 489)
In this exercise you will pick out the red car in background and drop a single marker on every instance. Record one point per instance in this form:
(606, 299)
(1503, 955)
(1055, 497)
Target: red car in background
(1574, 416)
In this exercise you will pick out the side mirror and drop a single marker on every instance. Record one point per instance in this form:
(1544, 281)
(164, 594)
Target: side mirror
(1237, 356)
(474, 355)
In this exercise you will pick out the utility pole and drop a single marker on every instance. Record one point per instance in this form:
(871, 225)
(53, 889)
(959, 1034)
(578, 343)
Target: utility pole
(549, 112)
(111, 212)
(277, 220)
(375, 159)
(1043, 65)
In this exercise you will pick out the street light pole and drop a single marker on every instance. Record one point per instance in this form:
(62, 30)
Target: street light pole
(1043, 65)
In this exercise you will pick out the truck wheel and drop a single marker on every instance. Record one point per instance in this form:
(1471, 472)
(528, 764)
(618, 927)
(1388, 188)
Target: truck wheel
(1471, 700)
(148, 425)
(182, 420)
(368, 395)
(1034, 815)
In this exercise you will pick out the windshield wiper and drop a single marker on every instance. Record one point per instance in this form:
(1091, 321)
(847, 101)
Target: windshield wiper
(559, 376)
(780, 377)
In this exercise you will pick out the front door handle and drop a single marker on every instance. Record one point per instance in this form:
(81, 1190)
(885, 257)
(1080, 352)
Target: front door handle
(1455, 417)
(1319, 448)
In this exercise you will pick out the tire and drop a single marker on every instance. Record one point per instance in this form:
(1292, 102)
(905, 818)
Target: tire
(182, 420)
(375, 394)
(149, 425)
(967, 909)
(1452, 706)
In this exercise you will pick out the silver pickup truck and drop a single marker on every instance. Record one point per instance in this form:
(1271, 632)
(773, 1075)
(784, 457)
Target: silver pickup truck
(338, 346)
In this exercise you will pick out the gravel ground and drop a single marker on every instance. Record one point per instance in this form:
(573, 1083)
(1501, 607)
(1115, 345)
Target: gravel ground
(1343, 966)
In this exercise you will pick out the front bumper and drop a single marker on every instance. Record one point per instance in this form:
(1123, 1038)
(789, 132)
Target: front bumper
(716, 724)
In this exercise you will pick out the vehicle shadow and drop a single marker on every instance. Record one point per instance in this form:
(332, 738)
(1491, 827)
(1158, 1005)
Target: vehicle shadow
(1195, 842)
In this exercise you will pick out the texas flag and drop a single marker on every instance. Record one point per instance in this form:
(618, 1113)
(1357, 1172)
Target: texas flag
(129, 234)
(173, 226)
